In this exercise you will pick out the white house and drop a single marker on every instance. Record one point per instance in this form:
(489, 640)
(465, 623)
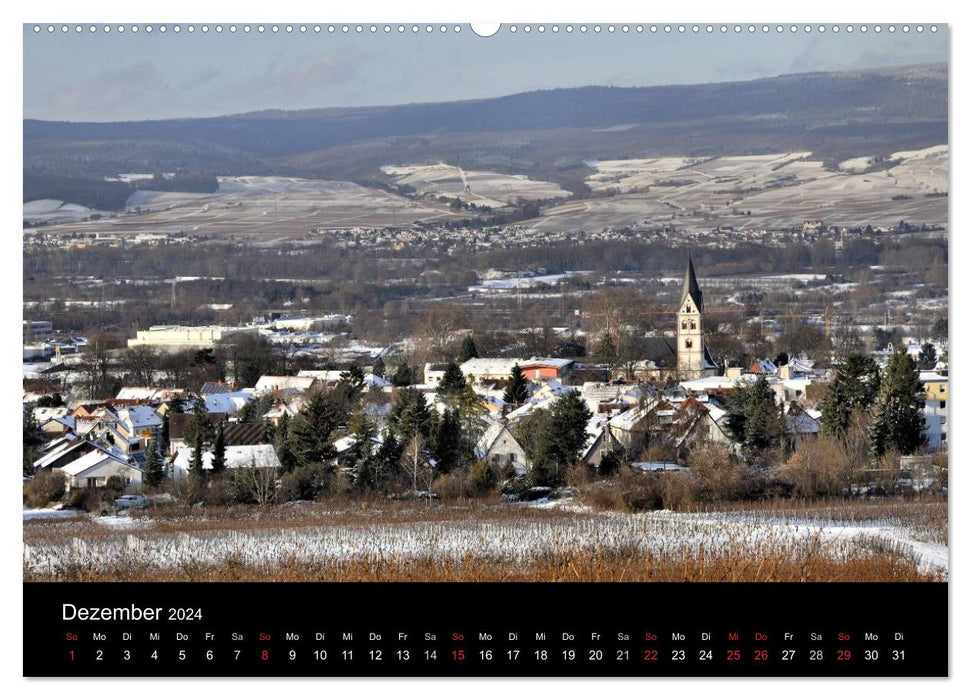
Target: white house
(498, 446)
(93, 470)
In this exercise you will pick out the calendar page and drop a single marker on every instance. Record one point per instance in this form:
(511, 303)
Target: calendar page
(396, 349)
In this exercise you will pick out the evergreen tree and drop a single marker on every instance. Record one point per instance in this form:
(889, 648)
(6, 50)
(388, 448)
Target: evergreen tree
(403, 375)
(312, 429)
(517, 388)
(447, 443)
(359, 457)
(200, 425)
(219, 451)
(164, 433)
(386, 463)
(410, 415)
(854, 387)
(468, 350)
(281, 442)
(351, 384)
(196, 460)
(453, 381)
(754, 418)
(32, 438)
(564, 435)
(154, 467)
(378, 368)
(897, 421)
(928, 356)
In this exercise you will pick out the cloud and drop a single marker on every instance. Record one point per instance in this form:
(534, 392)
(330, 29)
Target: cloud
(285, 76)
(112, 93)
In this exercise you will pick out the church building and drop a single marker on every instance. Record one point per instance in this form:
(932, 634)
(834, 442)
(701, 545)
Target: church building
(685, 355)
(694, 361)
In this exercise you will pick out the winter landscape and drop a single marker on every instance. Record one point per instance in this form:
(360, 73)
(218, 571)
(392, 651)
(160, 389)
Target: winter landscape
(591, 328)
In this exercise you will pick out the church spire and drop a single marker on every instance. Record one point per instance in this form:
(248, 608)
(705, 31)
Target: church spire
(691, 285)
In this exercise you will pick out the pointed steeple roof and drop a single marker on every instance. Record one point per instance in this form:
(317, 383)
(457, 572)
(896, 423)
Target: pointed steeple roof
(691, 286)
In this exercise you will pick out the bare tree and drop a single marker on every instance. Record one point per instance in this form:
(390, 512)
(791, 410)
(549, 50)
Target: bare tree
(257, 483)
(439, 324)
(415, 462)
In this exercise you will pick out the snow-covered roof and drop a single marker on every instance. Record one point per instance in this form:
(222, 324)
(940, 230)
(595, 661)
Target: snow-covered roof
(43, 414)
(324, 375)
(228, 403)
(491, 366)
(56, 453)
(717, 382)
(269, 382)
(140, 416)
(93, 459)
(236, 456)
(628, 419)
(488, 439)
(801, 423)
(557, 362)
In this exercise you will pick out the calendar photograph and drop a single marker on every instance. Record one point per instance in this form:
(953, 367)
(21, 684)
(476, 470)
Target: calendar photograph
(485, 304)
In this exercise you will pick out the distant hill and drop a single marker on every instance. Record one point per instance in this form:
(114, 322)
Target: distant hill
(546, 134)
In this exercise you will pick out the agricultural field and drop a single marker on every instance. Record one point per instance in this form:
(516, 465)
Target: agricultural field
(479, 187)
(552, 541)
(282, 208)
(772, 191)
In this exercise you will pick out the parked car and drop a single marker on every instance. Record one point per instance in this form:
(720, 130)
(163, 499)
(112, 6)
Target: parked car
(131, 501)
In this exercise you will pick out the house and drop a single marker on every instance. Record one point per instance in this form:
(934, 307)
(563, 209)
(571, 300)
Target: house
(482, 369)
(218, 388)
(42, 414)
(271, 383)
(57, 426)
(237, 457)
(64, 452)
(133, 427)
(599, 440)
(227, 403)
(800, 425)
(546, 368)
(434, 373)
(498, 446)
(288, 409)
(147, 393)
(92, 470)
(935, 408)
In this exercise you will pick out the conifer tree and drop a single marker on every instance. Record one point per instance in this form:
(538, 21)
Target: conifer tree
(453, 382)
(312, 429)
(154, 468)
(219, 451)
(854, 387)
(281, 441)
(517, 388)
(468, 350)
(897, 421)
(447, 446)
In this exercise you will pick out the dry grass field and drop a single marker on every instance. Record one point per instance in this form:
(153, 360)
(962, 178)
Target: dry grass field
(473, 541)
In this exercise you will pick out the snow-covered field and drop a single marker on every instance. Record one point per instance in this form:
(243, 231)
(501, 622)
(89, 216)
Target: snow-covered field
(770, 191)
(136, 542)
(54, 210)
(264, 207)
(479, 187)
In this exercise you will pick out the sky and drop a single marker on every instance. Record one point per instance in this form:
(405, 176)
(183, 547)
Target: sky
(110, 76)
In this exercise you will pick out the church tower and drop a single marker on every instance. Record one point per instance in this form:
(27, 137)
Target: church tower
(692, 356)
